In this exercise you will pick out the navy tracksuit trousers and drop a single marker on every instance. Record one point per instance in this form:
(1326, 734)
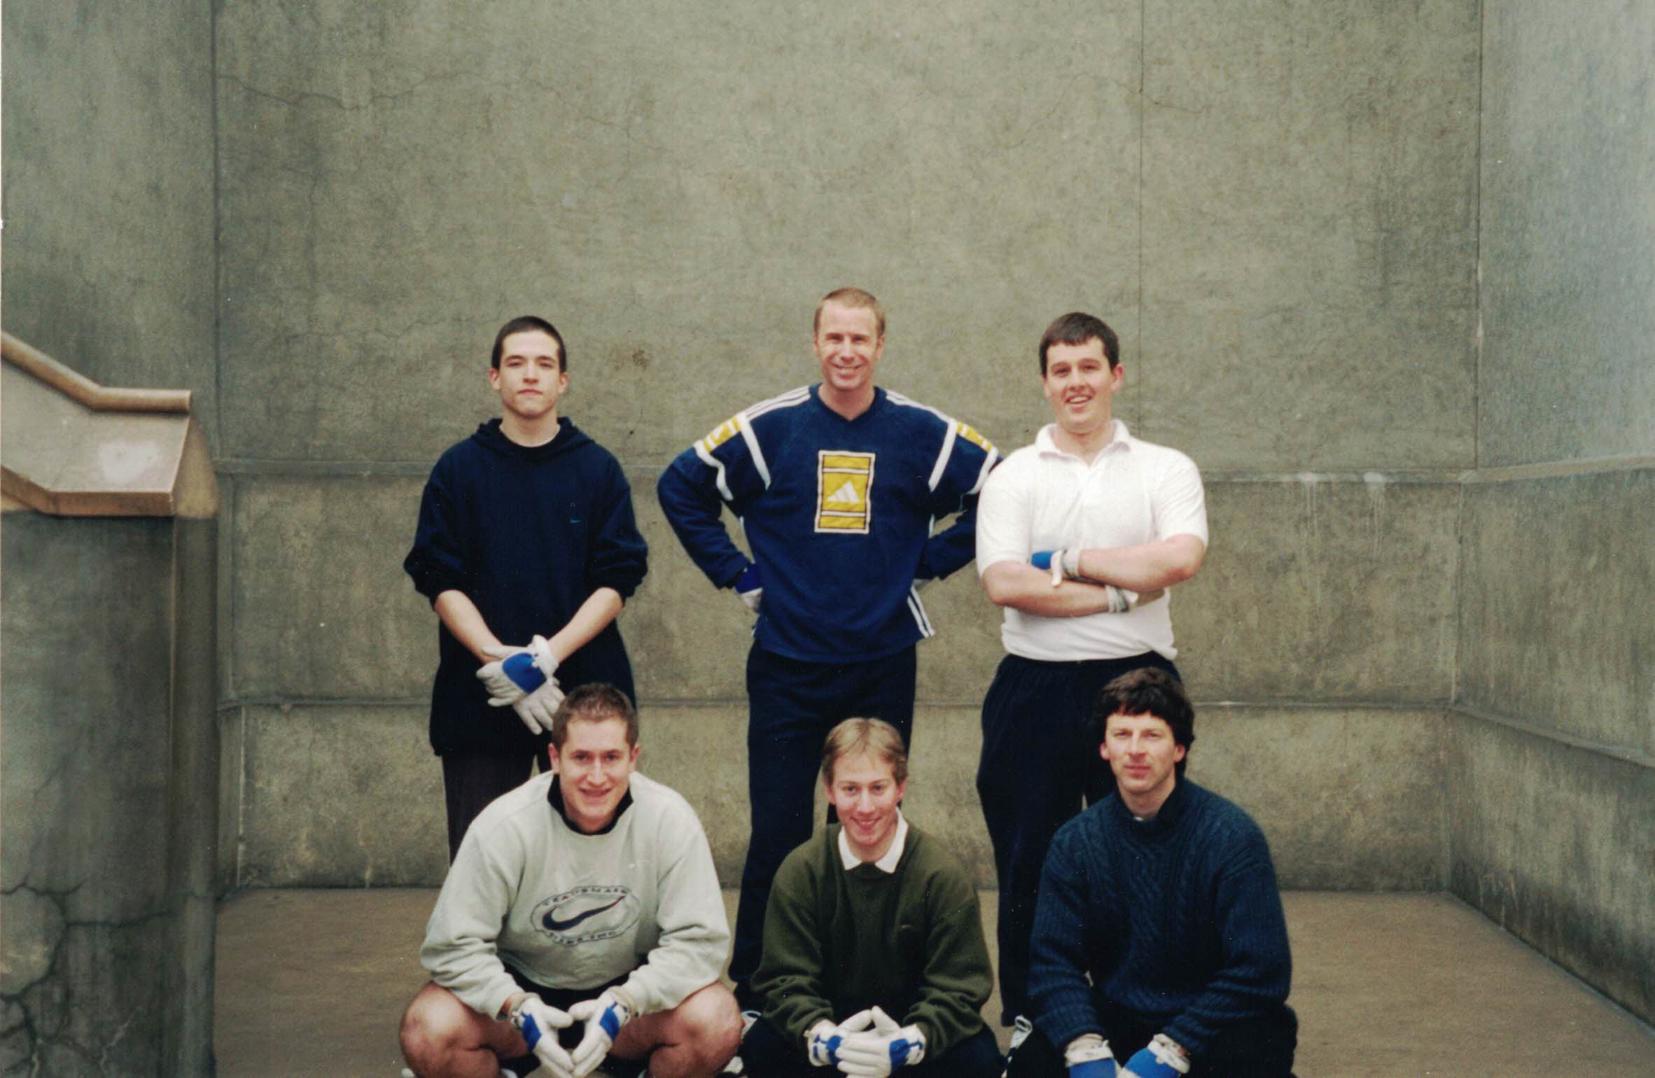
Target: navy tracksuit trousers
(792, 704)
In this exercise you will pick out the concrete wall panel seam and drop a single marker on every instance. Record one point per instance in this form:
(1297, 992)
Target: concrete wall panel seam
(362, 468)
(1622, 753)
(1560, 469)
(1419, 476)
(639, 471)
(1477, 253)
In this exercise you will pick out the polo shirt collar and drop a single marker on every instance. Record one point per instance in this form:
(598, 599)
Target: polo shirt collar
(1120, 437)
(886, 864)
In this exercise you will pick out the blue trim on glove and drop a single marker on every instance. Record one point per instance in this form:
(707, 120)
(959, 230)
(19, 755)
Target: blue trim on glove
(1094, 1068)
(899, 1052)
(610, 1022)
(523, 672)
(1042, 559)
(1145, 1064)
(832, 1045)
(531, 1031)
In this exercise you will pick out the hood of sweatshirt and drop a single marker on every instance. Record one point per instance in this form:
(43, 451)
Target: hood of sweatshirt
(491, 437)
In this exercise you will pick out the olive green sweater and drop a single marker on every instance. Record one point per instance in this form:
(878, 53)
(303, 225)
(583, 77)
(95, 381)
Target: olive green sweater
(838, 941)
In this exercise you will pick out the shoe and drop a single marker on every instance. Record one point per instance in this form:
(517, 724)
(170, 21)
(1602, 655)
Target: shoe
(1020, 1029)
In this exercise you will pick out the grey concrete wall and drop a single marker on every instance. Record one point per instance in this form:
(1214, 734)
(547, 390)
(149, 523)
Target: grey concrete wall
(92, 926)
(110, 259)
(110, 266)
(1555, 618)
(1255, 195)
(345, 797)
(1333, 594)
(1568, 233)
(1274, 204)
(1554, 842)
(1552, 815)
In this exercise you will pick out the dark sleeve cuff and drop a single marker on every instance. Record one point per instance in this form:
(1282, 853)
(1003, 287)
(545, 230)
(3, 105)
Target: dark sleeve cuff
(432, 580)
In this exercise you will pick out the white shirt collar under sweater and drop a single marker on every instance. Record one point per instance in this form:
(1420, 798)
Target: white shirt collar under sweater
(886, 864)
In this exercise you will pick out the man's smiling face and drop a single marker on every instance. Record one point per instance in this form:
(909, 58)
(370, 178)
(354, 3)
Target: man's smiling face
(594, 769)
(1080, 386)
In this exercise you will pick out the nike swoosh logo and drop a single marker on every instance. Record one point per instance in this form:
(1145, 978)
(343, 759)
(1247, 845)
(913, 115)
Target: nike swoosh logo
(557, 925)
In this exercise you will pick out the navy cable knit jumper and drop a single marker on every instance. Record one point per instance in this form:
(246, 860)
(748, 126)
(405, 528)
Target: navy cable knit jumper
(1176, 919)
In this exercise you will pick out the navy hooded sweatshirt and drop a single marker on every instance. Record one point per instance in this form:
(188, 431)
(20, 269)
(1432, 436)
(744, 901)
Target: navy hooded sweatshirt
(527, 533)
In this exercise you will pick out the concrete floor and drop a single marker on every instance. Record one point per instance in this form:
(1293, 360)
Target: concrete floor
(313, 982)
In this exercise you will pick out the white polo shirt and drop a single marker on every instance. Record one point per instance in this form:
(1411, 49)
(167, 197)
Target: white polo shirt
(1041, 498)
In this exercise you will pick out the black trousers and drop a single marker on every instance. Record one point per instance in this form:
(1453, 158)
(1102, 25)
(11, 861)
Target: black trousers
(470, 780)
(792, 705)
(568, 1037)
(1040, 766)
(1260, 1048)
(769, 1053)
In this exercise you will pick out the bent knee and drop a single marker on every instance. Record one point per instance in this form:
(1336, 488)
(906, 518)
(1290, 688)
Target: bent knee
(709, 1021)
(435, 1024)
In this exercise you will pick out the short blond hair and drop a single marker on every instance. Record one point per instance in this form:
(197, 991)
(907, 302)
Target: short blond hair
(875, 737)
(850, 297)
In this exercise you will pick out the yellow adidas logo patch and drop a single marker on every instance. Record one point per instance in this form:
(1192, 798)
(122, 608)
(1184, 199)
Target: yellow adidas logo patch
(844, 485)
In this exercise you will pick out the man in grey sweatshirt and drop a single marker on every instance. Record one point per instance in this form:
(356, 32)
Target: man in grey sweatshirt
(584, 900)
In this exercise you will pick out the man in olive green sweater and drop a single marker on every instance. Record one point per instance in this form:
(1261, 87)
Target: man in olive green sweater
(874, 959)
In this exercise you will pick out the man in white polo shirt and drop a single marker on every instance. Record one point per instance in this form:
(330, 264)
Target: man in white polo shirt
(1079, 536)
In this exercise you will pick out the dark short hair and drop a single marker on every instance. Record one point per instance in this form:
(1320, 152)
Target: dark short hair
(594, 702)
(1149, 691)
(850, 297)
(875, 737)
(524, 323)
(1078, 327)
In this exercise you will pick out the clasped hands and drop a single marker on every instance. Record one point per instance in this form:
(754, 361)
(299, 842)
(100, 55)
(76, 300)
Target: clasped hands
(522, 679)
(870, 1043)
(1088, 1056)
(539, 1022)
(1064, 564)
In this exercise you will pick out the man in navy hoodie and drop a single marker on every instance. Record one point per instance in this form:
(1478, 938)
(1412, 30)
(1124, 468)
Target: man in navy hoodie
(527, 549)
(1159, 937)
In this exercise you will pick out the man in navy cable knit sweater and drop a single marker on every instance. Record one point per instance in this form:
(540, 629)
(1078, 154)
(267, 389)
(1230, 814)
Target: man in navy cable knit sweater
(1159, 936)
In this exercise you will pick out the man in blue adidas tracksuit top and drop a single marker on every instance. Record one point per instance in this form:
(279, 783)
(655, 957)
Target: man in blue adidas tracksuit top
(837, 487)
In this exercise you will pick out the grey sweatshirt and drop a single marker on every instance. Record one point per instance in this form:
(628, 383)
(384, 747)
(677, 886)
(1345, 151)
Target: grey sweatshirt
(571, 910)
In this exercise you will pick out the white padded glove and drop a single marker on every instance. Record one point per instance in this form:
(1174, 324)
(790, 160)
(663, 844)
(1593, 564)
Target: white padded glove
(604, 1018)
(1088, 1056)
(1160, 1058)
(540, 1022)
(877, 1052)
(521, 678)
(750, 587)
(824, 1039)
(1064, 564)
